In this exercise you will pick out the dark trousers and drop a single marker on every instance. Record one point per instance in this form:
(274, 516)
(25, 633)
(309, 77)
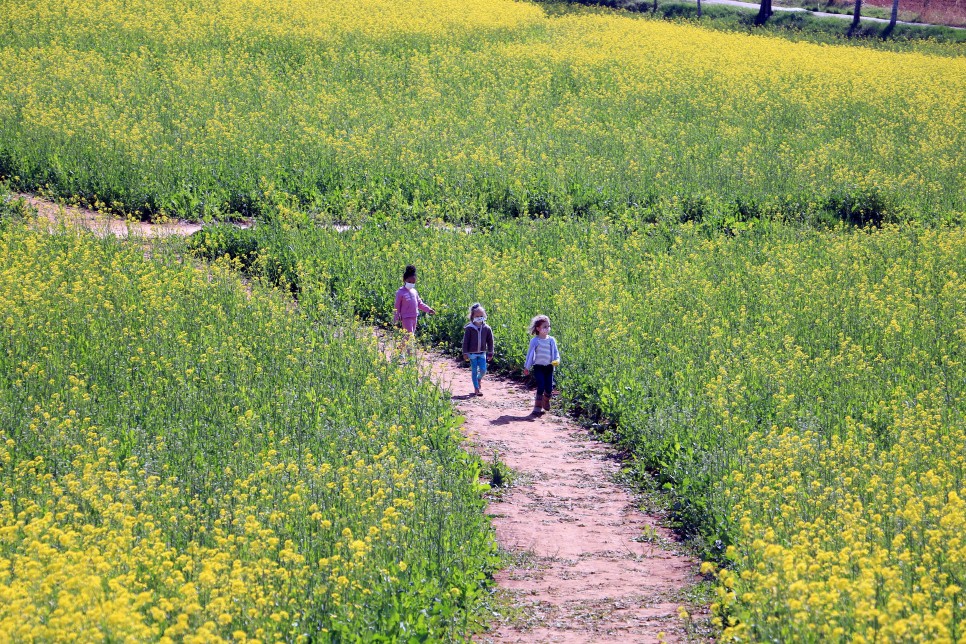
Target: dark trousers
(543, 375)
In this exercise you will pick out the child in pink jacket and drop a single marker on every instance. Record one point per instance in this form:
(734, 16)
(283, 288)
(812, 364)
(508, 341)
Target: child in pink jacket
(408, 303)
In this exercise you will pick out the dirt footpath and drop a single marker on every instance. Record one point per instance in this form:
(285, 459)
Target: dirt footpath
(588, 566)
(104, 225)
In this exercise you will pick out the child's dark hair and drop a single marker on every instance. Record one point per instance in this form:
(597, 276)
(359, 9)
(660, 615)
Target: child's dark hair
(409, 272)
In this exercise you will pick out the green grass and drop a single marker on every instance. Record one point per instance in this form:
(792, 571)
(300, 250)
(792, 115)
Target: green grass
(783, 385)
(223, 462)
(494, 110)
(12, 209)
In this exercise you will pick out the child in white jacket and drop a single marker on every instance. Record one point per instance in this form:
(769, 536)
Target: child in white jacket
(542, 356)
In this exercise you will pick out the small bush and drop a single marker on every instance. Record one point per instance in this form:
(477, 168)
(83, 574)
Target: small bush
(866, 206)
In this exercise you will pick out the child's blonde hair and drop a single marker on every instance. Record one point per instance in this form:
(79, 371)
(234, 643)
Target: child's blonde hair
(473, 307)
(536, 321)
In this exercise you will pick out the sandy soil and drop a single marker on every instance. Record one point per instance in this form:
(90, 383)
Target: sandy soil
(588, 565)
(104, 225)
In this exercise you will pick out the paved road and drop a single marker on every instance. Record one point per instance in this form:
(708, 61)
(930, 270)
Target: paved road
(820, 14)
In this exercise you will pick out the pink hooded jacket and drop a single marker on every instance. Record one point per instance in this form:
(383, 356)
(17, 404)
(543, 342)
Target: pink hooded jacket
(408, 304)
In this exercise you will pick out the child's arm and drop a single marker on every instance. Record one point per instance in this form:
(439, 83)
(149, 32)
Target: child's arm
(425, 308)
(397, 306)
(466, 344)
(489, 345)
(556, 352)
(531, 356)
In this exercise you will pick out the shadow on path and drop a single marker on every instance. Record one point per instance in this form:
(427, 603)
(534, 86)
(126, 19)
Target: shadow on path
(581, 571)
(506, 419)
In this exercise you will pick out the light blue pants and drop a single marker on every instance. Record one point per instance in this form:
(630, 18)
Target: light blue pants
(477, 368)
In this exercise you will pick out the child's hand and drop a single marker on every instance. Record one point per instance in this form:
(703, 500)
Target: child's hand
(555, 362)
(465, 357)
(526, 372)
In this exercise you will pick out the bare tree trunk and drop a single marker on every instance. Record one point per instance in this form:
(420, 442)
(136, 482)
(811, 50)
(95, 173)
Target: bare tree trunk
(655, 6)
(856, 16)
(699, 8)
(894, 17)
(764, 12)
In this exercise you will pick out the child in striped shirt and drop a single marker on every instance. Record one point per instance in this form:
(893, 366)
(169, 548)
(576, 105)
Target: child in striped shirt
(543, 356)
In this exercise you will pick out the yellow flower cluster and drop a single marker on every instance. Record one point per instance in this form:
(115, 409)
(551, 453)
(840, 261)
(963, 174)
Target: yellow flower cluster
(453, 108)
(184, 461)
(866, 539)
(92, 558)
(799, 392)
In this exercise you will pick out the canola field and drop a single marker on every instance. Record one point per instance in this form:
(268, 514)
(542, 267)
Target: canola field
(180, 458)
(465, 109)
(798, 393)
(183, 461)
